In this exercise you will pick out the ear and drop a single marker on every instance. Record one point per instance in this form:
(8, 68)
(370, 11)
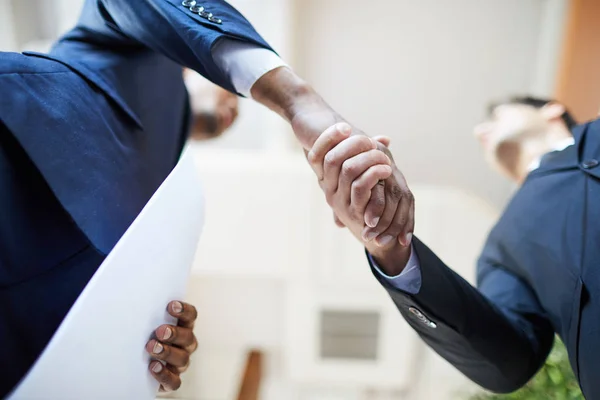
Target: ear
(384, 140)
(553, 111)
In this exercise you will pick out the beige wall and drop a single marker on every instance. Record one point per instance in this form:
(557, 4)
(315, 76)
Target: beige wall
(421, 72)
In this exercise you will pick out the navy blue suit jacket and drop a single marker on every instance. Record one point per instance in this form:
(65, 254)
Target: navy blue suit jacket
(539, 273)
(87, 133)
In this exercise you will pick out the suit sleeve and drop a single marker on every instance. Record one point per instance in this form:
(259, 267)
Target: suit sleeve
(496, 335)
(167, 27)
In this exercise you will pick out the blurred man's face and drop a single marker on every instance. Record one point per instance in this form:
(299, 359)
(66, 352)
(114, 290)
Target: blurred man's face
(507, 128)
(214, 109)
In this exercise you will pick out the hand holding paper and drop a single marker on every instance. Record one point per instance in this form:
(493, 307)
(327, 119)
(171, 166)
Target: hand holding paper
(173, 345)
(98, 351)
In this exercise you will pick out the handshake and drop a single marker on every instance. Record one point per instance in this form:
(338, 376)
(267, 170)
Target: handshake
(367, 192)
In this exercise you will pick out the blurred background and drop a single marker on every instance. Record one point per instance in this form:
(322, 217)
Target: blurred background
(288, 307)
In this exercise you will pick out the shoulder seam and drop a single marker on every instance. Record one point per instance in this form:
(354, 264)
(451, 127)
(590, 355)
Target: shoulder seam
(35, 73)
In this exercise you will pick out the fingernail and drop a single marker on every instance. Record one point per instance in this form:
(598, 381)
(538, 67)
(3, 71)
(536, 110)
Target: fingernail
(373, 222)
(367, 234)
(344, 128)
(157, 368)
(167, 333)
(385, 240)
(408, 239)
(158, 348)
(371, 236)
(177, 307)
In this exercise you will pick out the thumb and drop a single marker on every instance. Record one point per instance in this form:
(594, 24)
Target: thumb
(384, 140)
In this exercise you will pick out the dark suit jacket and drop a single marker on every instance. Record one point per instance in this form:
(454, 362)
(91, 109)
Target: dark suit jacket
(539, 273)
(87, 134)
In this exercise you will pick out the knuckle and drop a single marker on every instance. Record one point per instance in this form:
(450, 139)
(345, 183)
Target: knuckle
(185, 360)
(348, 169)
(358, 189)
(164, 376)
(330, 198)
(193, 312)
(396, 192)
(400, 224)
(385, 222)
(177, 384)
(378, 202)
(354, 211)
(187, 339)
(330, 160)
(194, 346)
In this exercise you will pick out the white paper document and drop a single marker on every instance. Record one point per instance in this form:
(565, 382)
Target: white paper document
(98, 352)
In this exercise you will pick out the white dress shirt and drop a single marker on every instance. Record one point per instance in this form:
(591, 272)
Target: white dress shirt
(244, 63)
(409, 280)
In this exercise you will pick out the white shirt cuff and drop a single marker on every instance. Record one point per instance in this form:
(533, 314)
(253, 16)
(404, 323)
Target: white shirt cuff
(244, 63)
(409, 280)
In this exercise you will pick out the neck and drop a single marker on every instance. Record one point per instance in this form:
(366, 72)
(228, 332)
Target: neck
(533, 148)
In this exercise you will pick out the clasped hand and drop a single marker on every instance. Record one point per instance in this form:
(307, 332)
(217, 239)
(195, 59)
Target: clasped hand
(367, 192)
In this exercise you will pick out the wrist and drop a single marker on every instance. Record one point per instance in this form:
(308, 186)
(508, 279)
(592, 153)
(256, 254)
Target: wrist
(391, 260)
(280, 90)
(295, 100)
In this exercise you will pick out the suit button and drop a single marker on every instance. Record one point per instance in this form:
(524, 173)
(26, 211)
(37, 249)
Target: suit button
(196, 8)
(188, 3)
(589, 164)
(422, 317)
(416, 312)
(215, 20)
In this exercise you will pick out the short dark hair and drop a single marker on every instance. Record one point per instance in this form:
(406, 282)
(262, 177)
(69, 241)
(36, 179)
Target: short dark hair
(536, 102)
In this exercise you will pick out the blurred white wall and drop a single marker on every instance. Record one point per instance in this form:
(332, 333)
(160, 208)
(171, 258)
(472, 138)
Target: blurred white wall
(423, 71)
(271, 259)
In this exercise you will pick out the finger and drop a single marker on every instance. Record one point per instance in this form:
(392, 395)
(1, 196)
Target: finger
(170, 354)
(354, 167)
(167, 377)
(376, 205)
(337, 221)
(393, 196)
(185, 313)
(384, 140)
(324, 143)
(178, 336)
(340, 155)
(362, 188)
(407, 235)
(398, 226)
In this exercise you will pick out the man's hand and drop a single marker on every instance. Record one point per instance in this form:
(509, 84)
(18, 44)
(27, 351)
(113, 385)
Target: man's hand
(350, 169)
(309, 115)
(173, 346)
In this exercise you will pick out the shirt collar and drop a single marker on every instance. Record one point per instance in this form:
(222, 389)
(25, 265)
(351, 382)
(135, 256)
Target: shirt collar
(559, 146)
